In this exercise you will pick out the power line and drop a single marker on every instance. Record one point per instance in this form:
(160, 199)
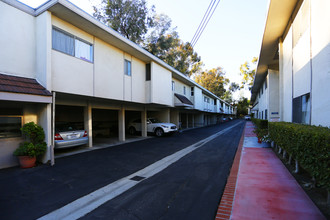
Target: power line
(204, 22)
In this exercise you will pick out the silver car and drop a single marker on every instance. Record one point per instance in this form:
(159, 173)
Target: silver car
(67, 135)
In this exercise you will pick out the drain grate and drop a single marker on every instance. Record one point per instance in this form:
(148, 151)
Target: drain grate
(137, 178)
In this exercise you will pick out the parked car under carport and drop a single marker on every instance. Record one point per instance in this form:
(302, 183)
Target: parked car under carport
(68, 135)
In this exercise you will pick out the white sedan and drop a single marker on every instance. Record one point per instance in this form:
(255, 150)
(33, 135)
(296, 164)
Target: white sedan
(153, 126)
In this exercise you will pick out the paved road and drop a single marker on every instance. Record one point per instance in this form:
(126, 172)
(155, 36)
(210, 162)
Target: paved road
(188, 189)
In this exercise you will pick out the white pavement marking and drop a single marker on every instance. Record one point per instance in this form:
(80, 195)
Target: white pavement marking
(88, 203)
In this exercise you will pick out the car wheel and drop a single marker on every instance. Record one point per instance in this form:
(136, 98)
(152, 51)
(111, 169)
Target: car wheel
(159, 132)
(131, 130)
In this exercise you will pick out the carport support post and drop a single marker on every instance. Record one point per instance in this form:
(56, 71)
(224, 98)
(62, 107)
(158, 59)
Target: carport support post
(88, 123)
(121, 124)
(144, 123)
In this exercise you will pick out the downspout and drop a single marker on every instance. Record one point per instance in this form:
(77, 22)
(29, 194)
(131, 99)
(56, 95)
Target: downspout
(52, 157)
(310, 61)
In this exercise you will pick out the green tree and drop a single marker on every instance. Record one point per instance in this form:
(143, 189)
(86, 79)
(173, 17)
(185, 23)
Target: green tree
(164, 42)
(213, 80)
(233, 87)
(228, 96)
(130, 18)
(242, 106)
(161, 36)
(248, 73)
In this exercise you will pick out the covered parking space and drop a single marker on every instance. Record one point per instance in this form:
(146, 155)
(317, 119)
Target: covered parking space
(187, 118)
(105, 126)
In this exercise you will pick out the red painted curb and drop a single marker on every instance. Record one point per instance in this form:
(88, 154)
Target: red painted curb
(226, 204)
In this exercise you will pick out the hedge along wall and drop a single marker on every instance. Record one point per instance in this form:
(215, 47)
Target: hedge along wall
(260, 123)
(310, 145)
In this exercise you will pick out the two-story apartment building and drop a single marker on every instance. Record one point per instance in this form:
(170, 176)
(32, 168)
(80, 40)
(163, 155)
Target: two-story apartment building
(292, 76)
(59, 64)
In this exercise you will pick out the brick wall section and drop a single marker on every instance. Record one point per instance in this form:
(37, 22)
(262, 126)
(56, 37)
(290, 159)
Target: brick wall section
(227, 200)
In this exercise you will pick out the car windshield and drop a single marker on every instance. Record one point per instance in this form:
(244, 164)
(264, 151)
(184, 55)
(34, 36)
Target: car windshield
(154, 120)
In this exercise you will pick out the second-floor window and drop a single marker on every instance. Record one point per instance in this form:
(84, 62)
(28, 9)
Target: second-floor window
(128, 68)
(173, 85)
(148, 72)
(71, 45)
(184, 90)
(192, 91)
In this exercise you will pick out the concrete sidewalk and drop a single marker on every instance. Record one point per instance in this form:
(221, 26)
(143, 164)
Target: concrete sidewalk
(260, 186)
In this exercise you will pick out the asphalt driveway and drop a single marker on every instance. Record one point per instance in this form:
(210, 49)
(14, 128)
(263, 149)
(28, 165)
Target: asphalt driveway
(32, 193)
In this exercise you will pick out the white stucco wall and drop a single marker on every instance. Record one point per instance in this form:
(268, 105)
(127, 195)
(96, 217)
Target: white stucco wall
(321, 62)
(179, 87)
(286, 79)
(301, 64)
(273, 94)
(43, 49)
(263, 101)
(198, 99)
(18, 42)
(138, 81)
(109, 71)
(161, 80)
(209, 106)
(70, 74)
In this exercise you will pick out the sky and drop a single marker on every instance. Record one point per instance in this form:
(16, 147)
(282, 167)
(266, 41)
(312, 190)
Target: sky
(232, 36)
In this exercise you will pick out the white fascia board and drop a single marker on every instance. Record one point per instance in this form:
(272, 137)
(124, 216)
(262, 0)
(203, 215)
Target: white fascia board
(8, 96)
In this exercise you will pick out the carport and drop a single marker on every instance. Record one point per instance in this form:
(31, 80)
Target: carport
(74, 115)
(70, 114)
(105, 127)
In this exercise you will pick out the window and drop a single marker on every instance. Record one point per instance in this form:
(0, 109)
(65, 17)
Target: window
(173, 85)
(10, 126)
(63, 42)
(184, 90)
(215, 101)
(83, 50)
(148, 72)
(266, 114)
(71, 45)
(128, 68)
(192, 91)
(301, 109)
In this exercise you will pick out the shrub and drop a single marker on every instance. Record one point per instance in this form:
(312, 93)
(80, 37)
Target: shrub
(261, 129)
(310, 145)
(35, 145)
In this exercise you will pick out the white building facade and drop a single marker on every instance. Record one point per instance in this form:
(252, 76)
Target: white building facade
(294, 64)
(59, 64)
